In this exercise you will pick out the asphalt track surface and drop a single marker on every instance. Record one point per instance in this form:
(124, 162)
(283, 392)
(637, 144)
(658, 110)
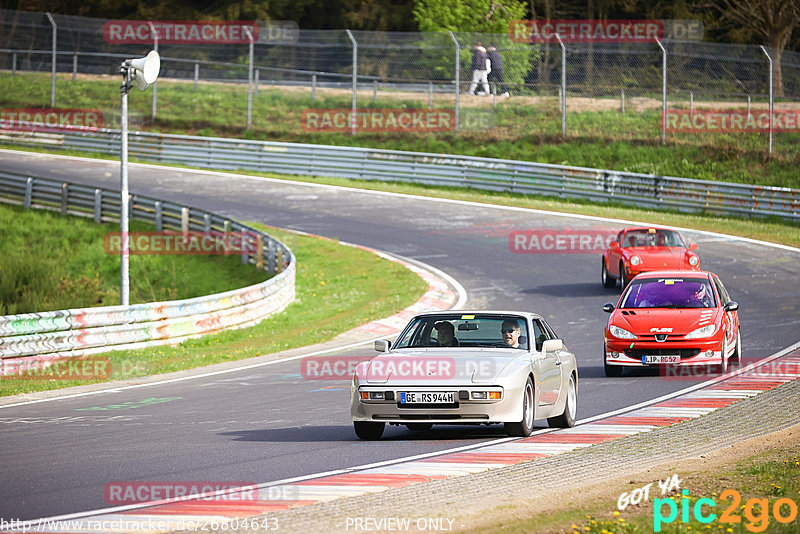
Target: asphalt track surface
(267, 424)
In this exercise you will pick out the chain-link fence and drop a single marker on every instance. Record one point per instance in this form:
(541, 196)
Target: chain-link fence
(311, 81)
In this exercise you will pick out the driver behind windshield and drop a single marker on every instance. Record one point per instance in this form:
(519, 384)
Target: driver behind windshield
(510, 331)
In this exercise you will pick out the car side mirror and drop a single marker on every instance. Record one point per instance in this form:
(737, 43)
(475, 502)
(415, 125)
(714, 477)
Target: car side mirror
(382, 345)
(693, 246)
(608, 307)
(552, 345)
(614, 245)
(731, 306)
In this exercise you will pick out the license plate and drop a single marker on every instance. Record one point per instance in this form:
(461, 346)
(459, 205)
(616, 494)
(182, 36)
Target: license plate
(660, 358)
(427, 397)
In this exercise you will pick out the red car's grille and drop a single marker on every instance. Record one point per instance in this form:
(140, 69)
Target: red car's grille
(684, 353)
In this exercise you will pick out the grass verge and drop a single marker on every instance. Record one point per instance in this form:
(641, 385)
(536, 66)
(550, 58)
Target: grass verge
(337, 288)
(54, 262)
(523, 128)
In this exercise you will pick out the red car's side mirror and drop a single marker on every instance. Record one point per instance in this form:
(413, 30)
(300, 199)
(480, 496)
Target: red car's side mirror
(614, 245)
(693, 246)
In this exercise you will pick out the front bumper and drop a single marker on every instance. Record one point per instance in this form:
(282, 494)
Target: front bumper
(629, 353)
(463, 410)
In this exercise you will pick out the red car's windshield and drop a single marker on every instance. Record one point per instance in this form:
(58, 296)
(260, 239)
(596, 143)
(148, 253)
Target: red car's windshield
(670, 293)
(652, 238)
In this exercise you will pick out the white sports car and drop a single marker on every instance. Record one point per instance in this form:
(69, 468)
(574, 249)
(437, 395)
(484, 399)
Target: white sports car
(467, 368)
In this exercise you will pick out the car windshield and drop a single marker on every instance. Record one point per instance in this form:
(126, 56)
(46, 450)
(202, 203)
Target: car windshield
(652, 237)
(669, 293)
(465, 330)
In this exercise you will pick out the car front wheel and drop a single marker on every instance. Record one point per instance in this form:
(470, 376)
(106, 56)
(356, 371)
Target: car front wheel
(623, 276)
(368, 430)
(612, 371)
(524, 427)
(567, 419)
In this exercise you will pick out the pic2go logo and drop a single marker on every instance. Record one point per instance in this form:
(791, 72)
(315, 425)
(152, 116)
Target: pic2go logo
(756, 511)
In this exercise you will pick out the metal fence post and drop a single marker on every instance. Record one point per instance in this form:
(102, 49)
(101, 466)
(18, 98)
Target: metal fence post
(74, 66)
(691, 103)
(430, 94)
(748, 107)
(663, 91)
(313, 86)
(14, 64)
(98, 206)
(563, 86)
(258, 75)
(375, 90)
(249, 80)
(53, 62)
(196, 74)
(28, 193)
(159, 216)
(64, 198)
(355, 81)
(458, 78)
(771, 95)
(623, 100)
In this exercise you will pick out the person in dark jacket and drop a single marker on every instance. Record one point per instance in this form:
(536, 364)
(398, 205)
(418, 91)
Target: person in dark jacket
(479, 69)
(496, 74)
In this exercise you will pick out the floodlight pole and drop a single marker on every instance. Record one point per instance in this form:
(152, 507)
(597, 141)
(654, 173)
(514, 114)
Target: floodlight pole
(249, 79)
(155, 83)
(53, 61)
(124, 287)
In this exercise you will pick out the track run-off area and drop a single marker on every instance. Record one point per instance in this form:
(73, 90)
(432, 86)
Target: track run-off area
(264, 424)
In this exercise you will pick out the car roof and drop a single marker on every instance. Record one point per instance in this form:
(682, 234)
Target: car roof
(674, 274)
(530, 315)
(628, 229)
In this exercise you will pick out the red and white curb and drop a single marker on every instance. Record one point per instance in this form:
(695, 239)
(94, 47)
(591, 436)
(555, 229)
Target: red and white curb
(214, 509)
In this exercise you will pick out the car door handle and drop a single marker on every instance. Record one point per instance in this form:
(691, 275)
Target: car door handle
(558, 362)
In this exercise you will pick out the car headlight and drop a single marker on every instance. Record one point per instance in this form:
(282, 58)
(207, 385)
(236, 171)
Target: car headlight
(620, 332)
(354, 385)
(694, 261)
(635, 260)
(707, 330)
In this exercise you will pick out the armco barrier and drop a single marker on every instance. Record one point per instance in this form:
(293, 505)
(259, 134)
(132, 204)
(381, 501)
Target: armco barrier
(42, 336)
(644, 190)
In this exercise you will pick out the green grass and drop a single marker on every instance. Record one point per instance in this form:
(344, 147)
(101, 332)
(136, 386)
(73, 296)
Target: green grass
(525, 131)
(337, 288)
(53, 262)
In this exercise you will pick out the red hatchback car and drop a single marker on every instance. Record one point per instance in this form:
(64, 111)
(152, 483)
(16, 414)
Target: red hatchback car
(672, 317)
(643, 249)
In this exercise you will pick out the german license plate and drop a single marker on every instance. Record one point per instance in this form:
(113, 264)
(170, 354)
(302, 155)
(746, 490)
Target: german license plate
(427, 397)
(652, 359)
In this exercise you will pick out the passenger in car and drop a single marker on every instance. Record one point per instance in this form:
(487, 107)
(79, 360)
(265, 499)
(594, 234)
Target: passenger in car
(446, 334)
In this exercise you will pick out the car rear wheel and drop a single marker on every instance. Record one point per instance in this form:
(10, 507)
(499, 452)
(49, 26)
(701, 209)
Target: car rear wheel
(421, 427)
(567, 419)
(368, 430)
(623, 276)
(524, 427)
(612, 371)
(607, 280)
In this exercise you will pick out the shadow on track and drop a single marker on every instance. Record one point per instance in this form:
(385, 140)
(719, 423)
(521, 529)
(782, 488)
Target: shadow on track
(583, 289)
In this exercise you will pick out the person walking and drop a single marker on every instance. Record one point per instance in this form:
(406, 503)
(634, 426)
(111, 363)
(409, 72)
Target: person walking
(479, 69)
(496, 74)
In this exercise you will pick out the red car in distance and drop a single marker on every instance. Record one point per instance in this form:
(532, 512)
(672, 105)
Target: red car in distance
(675, 318)
(644, 249)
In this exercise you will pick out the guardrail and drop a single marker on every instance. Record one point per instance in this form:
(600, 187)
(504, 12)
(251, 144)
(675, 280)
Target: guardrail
(42, 336)
(644, 190)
